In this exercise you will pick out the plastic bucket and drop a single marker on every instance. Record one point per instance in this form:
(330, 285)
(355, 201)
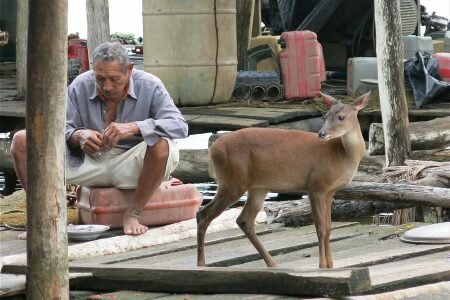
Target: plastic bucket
(191, 47)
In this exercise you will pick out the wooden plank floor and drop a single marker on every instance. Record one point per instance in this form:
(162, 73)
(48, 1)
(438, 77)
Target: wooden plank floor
(392, 264)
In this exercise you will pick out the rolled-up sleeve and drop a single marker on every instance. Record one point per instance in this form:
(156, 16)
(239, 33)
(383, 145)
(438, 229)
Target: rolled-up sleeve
(165, 118)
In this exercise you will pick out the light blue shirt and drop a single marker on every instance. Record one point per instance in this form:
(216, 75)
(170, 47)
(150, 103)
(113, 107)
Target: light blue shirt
(147, 103)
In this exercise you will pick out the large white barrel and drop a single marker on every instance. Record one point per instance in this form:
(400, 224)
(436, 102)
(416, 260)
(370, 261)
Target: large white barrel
(191, 47)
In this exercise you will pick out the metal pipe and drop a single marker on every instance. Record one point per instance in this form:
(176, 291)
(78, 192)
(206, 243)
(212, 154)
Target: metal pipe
(258, 92)
(273, 92)
(242, 92)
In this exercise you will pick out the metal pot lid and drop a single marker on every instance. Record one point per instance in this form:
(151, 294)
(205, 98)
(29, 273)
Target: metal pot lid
(438, 233)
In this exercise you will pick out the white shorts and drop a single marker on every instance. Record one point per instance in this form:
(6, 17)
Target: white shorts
(118, 167)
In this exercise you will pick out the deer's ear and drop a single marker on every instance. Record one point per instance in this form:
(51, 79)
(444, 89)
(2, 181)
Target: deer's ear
(362, 101)
(328, 100)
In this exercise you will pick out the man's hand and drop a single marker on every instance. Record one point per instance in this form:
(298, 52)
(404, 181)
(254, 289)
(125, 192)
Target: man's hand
(90, 141)
(118, 131)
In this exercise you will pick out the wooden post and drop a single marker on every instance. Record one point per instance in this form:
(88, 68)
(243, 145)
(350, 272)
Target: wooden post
(97, 24)
(394, 109)
(47, 269)
(244, 21)
(256, 27)
(21, 48)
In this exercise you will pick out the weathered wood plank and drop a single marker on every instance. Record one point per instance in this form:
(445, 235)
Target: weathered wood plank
(223, 122)
(272, 114)
(433, 134)
(410, 272)
(182, 245)
(11, 285)
(193, 166)
(226, 280)
(12, 108)
(426, 195)
(219, 254)
(371, 240)
(353, 253)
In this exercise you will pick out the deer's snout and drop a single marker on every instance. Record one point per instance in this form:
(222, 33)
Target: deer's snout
(322, 134)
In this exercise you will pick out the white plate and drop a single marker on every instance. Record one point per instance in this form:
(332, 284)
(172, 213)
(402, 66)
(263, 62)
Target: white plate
(85, 232)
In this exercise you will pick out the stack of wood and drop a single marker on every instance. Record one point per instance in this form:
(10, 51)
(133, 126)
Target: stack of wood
(416, 183)
(424, 173)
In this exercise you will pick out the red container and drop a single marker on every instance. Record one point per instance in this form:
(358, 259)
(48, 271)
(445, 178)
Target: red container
(77, 48)
(302, 64)
(444, 65)
(170, 204)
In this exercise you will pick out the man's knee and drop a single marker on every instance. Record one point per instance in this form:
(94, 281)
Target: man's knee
(159, 151)
(18, 145)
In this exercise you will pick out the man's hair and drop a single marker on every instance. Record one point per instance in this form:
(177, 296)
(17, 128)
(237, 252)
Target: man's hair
(111, 51)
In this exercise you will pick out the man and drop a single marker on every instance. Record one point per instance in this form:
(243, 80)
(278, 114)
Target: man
(120, 128)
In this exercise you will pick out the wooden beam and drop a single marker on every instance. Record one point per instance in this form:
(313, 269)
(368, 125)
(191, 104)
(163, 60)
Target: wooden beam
(214, 280)
(6, 162)
(98, 24)
(394, 107)
(225, 280)
(21, 48)
(193, 166)
(433, 134)
(256, 25)
(244, 21)
(47, 276)
(395, 193)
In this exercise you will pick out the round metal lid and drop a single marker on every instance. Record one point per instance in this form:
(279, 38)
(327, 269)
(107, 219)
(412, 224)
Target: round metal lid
(438, 233)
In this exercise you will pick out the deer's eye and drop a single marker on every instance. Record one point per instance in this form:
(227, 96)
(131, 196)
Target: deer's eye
(341, 118)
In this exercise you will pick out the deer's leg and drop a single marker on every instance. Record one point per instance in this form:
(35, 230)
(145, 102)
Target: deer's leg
(328, 256)
(321, 211)
(225, 197)
(246, 222)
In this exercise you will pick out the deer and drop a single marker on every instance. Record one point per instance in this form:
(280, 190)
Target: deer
(260, 160)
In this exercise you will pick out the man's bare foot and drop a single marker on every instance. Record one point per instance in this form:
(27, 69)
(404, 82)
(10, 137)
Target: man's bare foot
(22, 236)
(131, 225)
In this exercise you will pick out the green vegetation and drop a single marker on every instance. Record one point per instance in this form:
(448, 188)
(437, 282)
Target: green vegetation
(126, 38)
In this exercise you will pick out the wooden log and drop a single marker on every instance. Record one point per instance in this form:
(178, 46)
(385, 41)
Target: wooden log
(6, 162)
(394, 108)
(256, 22)
(21, 48)
(296, 282)
(244, 21)
(193, 166)
(428, 173)
(47, 273)
(215, 280)
(433, 134)
(427, 195)
(296, 213)
(98, 24)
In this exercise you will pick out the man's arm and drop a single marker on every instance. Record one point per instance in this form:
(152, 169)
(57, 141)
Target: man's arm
(166, 119)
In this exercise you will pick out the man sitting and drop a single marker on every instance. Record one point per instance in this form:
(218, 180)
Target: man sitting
(120, 127)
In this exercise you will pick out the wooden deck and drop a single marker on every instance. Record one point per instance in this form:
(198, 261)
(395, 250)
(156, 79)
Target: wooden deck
(368, 259)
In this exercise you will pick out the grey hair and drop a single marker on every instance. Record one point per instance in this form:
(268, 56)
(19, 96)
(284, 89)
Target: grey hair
(111, 51)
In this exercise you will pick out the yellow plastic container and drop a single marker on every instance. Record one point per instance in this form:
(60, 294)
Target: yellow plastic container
(191, 47)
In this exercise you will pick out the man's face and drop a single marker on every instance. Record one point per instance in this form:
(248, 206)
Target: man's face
(111, 78)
